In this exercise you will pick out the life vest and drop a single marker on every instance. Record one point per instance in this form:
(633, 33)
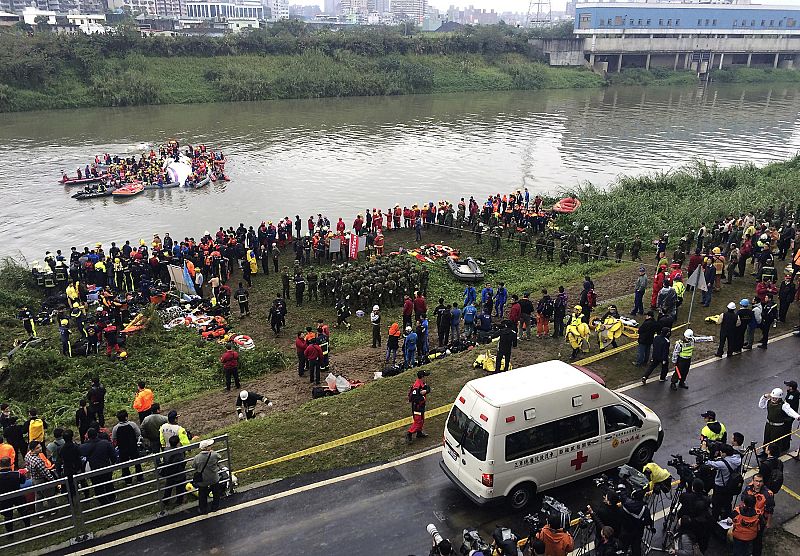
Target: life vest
(36, 430)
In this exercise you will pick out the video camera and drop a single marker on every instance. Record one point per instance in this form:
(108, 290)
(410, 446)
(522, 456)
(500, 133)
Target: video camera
(629, 479)
(551, 511)
(684, 470)
(702, 456)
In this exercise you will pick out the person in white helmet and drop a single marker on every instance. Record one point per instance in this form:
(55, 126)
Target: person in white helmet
(682, 358)
(375, 319)
(779, 415)
(246, 404)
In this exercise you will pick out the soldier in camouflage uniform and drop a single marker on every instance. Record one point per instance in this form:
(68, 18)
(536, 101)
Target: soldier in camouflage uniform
(586, 249)
(313, 280)
(636, 246)
(619, 250)
(540, 245)
(497, 236)
(550, 246)
(524, 241)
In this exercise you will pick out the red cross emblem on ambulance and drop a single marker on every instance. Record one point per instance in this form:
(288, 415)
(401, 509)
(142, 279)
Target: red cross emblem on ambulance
(579, 460)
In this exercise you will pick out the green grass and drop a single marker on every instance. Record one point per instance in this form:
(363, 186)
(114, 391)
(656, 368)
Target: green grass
(655, 76)
(755, 75)
(677, 201)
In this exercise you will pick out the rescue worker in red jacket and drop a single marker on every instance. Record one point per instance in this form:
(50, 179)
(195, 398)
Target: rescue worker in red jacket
(418, 396)
(230, 366)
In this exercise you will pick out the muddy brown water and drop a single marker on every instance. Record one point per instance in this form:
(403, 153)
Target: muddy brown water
(340, 156)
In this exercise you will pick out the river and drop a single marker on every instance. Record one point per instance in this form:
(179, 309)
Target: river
(341, 156)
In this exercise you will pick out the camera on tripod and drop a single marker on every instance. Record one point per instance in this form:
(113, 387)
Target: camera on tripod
(629, 479)
(684, 470)
(551, 511)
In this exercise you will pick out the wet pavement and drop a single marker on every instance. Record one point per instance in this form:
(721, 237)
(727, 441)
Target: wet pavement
(386, 511)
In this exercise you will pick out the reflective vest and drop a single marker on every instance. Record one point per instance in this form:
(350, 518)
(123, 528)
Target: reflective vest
(680, 289)
(687, 348)
(711, 435)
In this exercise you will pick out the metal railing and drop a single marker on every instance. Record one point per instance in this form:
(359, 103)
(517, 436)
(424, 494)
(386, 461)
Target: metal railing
(74, 509)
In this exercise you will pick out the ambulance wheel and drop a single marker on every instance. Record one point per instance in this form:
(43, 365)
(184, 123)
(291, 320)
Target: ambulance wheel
(521, 496)
(642, 455)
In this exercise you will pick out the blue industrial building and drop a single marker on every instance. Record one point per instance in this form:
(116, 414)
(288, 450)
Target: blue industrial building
(700, 37)
(671, 19)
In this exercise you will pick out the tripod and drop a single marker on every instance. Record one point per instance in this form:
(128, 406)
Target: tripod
(582, 535)
(747, 457)
(670, 519)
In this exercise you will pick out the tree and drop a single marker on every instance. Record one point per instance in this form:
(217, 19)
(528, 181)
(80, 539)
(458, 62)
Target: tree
(41, 22)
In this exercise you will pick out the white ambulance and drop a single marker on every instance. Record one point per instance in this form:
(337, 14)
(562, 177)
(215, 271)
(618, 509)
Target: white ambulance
(514, 434)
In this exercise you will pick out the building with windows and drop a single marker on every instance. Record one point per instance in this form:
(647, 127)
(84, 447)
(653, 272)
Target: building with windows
(279, 9)
(202, 9)
(410, 9)
(683, 35)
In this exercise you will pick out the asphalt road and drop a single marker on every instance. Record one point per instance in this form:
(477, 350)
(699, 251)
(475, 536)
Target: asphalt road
(386, 511)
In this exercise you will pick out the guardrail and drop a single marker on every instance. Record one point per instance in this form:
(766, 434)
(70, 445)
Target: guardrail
(74, 509)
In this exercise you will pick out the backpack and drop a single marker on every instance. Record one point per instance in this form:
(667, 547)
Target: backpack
(36, 430)
(735, 482)
(774, 479)
(746, 528)
(591, 298)
(547, 307)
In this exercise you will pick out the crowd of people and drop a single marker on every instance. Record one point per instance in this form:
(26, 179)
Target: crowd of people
(110, 172)
(99, 282)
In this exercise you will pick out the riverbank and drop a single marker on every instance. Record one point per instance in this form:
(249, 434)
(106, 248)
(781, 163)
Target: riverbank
(184, 373)
(146, 80)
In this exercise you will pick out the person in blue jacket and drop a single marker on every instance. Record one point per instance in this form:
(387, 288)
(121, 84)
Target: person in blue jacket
(470, 314)
(410, 347)
(470, 295)
(500, 300)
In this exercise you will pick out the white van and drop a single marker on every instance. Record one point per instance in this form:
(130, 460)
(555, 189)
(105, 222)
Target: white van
(513, 434)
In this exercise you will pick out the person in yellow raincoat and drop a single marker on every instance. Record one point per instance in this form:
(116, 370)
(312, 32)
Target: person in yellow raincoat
(610, 328)
(252, 261)
(577, 332)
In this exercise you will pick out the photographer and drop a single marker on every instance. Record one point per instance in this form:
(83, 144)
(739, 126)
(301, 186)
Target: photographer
(636, 518)
(696, 507)
(444, 548)
(557, 541)
(685, 542)
(608, 544)
(728, 479)
(608, 515)
(660, 479)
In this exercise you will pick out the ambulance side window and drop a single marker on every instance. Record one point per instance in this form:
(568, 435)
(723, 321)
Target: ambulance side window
(619, 417)
(530, 441)
(578, 427)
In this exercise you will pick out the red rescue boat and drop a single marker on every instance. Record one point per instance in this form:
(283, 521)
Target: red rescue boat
(129, 190)
(567, 205)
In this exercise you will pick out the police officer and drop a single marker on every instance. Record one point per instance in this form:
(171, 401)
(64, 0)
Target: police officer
(299, 288)
(713, 430)
(243, 298)
(27, 321)
(682, 358)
